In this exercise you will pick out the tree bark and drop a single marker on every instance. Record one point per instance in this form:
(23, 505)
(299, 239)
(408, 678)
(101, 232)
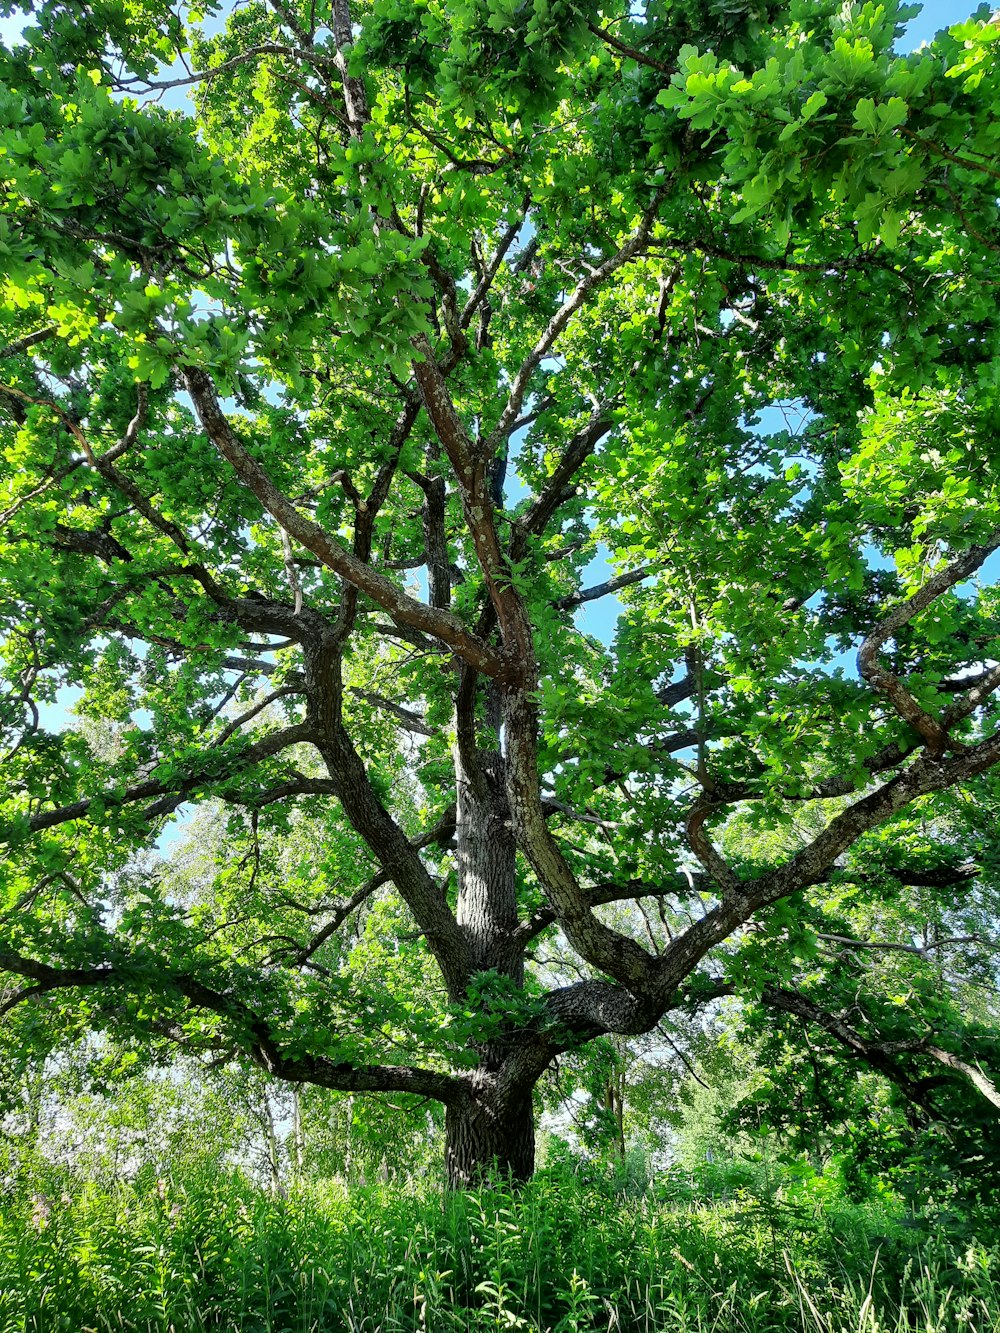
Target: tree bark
(615, 1103)
(298, 1136)
(487, 1136)
(487, 872)
(273, 1148)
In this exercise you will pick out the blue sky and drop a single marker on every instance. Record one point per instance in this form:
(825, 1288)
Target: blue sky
(934, 16)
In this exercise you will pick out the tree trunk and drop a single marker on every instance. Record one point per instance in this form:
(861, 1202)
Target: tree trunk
(492, 1131)
(487, 878)
(298, 1136)
(349, 1142)
(486, 1137)
(614, 1098)
(273, 1149)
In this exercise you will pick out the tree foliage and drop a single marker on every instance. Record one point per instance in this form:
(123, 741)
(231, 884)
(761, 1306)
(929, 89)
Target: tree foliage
(323, 395)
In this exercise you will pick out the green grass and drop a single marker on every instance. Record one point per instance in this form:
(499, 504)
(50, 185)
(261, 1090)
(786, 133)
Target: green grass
(209, 1251)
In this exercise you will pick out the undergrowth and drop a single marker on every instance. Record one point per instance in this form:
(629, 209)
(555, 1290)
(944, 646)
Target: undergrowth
(209, 1251)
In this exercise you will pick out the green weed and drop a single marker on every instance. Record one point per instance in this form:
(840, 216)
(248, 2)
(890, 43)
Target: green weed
(208, 1251)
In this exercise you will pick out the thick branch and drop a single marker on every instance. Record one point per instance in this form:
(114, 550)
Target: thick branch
(29, 340)
(442, 625)
(972, 1072)
(251, 1029)
(470, 466)
(924, 776)
(355, 97)
(579, 449)
(881, 1055)
(604, 948)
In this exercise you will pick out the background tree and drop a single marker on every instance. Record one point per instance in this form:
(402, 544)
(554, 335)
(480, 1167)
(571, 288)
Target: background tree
(320, 403)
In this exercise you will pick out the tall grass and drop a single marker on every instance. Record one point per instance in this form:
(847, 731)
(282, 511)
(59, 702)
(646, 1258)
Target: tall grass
(206, 1251)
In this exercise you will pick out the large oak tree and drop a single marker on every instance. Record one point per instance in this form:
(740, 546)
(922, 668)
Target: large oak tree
(322, 398)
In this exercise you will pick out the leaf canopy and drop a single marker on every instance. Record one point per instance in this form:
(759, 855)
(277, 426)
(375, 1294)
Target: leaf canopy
(334, 400)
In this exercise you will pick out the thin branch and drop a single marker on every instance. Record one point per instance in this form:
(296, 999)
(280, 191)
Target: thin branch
(920, 951)
(609, 586)
(689, 245)
(411, 720)
(339, 914)
(286, 692)
(948, 155)
(29, 340)
(630, 52)
(680, 1055)
(630, 250)
(141, 87)
(294, 582)
(578, 450)
(600, 895)
(881, 1055)
(881, 679)
(150, 789)
(486, 281)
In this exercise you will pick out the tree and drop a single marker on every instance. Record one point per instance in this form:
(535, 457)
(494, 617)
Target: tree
(322, 399)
